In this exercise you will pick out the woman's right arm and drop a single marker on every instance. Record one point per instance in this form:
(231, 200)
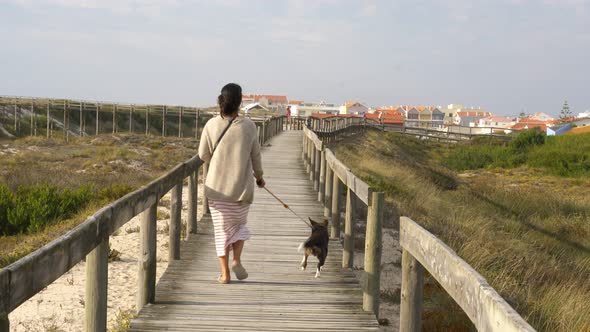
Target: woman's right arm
(256, 158)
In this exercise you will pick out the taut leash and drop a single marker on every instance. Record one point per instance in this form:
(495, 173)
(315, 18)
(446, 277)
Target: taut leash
(287, 207)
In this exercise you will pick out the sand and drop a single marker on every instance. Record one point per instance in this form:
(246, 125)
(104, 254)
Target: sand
(60, 306)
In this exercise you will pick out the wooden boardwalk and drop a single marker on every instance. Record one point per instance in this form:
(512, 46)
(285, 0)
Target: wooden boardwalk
(277, 296)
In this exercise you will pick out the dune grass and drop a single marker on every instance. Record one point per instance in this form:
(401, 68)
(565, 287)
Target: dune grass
(48, 186)
(525, 227)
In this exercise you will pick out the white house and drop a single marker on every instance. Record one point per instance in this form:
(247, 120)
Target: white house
(271, 102)
(496, 121)
(354, 107)
(307, 109)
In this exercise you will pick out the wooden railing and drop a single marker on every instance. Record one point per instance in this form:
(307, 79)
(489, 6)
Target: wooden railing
(29, 275)
(483, 305)
(329, 175)
(52, 117)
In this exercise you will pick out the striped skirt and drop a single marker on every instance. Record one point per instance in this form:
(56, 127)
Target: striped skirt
(229, 223)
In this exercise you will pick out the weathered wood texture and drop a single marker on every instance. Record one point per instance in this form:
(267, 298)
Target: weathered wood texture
(146, 281)
(95, 300)
(483, 305)
(411, 294)
(373, 248)
(277, 296)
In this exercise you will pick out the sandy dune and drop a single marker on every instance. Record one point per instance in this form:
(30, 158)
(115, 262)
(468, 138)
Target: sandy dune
(60, 307)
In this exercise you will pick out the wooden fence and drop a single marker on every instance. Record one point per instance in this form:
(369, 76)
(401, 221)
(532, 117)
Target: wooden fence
(63, 117)
(28, 276)
(483, 305)
(329, 175)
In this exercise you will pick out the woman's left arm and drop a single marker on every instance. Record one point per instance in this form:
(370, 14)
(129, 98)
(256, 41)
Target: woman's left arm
(204, 151)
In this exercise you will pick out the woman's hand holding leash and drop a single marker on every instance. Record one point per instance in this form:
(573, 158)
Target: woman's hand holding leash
(260, 183)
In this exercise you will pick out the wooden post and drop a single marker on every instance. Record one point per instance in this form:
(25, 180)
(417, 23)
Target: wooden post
(192, 204)
(147, 123)
(411, 294)
(304, 151)
(47, 120)
(316, 177)
(263, 132)
(96, 288)
(175, 222)
(335, 229)
(197, 124)
(312, 163)
(206, 209)
(32, 115)
(322, 188)
(15, 120)
(309, 157)
(328, 193)
(180, 123)
(348, 250)
(373, 247)
(66, 121)
(97, 111)
(4, 301)
(80, 120)
(114, 118)
(164, 121)
(131, 120)
(146, 281)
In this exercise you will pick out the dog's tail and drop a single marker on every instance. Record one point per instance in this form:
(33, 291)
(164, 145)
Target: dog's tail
(301, 246)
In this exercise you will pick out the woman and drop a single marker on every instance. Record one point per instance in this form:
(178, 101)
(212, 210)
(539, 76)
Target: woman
(229, 143)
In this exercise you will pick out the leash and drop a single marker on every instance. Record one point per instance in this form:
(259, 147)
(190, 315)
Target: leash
(287, 207)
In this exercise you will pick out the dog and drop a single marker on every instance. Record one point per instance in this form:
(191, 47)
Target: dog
(316, 244)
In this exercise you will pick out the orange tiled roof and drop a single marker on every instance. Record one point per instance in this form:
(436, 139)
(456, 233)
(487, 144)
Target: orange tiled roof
(351, 103)
(295, 102)
(527, 123)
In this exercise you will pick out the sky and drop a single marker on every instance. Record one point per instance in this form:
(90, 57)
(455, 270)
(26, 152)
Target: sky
(506, 56)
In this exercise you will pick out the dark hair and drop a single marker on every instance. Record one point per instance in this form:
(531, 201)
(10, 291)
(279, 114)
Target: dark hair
(230, 99)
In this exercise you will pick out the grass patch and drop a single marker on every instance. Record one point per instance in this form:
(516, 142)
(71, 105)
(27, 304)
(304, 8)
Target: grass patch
(48, 186)
(522, 226)
(565, 156)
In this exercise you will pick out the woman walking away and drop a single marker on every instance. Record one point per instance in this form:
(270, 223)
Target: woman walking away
(229, 144)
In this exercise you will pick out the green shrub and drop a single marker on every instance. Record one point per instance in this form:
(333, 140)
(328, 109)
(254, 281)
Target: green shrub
(113, 192)
(32, 208)
(6, 204)
(567, 156)
(527, 139)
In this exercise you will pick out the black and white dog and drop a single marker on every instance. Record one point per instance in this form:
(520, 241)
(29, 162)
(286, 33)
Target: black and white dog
(316, 244)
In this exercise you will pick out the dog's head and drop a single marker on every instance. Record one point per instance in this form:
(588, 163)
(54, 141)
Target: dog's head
(318, 225)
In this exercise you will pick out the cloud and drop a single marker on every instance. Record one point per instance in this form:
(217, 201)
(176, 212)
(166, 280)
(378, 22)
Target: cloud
(145, 7)
(369, 10)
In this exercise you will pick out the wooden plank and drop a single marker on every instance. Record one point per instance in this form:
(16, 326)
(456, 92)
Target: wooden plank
(95, 299)
(411, 294)
(483, 305)
(359, 187)
(146, 281)
(341, 171)
(373, 248)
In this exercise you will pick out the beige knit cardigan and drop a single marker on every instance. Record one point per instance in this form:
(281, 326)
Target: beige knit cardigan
(235, 162)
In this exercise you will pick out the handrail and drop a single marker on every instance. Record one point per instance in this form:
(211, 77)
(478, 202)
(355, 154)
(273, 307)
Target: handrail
(26, 277)
(482, 304)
